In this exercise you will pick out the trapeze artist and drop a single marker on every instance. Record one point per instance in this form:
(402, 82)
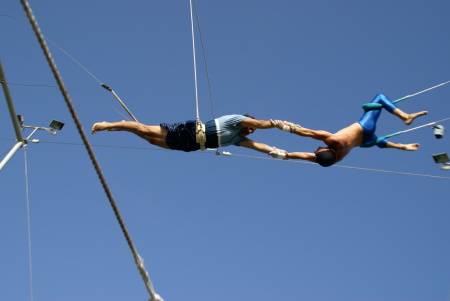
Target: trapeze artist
(361, 133)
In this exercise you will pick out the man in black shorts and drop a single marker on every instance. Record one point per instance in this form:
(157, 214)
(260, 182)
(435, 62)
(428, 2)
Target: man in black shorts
(223, 131)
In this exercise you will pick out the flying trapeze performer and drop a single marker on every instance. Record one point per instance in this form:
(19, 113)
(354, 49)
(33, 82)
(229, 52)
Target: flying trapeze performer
(224, 131)
(361, 133)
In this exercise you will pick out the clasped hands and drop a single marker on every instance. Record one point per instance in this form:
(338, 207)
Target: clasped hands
(285, 125)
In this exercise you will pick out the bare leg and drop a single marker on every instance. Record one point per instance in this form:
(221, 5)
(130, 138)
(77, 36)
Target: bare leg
(408, 118)
(154, 134)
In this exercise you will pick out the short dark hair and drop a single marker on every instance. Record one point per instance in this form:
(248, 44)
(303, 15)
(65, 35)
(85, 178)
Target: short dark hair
(249, 116)
(326, 158)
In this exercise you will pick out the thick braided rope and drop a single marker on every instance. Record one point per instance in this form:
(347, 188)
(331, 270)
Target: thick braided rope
(137, 258)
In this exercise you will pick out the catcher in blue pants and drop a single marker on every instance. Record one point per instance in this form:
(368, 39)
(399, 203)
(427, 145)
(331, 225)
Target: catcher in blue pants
(361, 133)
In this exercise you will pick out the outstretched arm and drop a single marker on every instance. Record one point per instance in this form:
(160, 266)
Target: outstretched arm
(256, 124)
(277, 153)
(401, 146)
(301, 131)
(314, 134)
(302, 156)
(264, 148)
(260, 147)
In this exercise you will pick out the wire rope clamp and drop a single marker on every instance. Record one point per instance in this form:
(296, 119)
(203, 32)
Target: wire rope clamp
(106, 87)
(200, 136)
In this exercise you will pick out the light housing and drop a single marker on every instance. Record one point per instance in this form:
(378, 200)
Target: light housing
(57, 125)
(441, 158)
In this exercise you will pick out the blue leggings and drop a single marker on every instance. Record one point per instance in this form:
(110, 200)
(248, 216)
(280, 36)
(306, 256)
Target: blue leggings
(369, 120)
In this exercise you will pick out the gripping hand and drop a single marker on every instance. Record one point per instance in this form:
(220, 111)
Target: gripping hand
(278, 153)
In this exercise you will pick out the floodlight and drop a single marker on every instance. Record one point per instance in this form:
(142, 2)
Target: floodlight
(445, 166)
(57, 125)
(441, 158)
(438, 131)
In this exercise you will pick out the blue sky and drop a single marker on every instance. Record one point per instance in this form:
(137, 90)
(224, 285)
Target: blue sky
(212, 227)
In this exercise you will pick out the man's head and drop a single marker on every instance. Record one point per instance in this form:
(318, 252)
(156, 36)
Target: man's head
(245, 130)
(325, 156)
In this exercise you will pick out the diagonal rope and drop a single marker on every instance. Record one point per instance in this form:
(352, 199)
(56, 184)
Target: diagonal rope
(59, 47)
(86, 70)
(412, 95)
(204, 59)
(415, 128)
(138, 260)
(350, 167)
(70, 89)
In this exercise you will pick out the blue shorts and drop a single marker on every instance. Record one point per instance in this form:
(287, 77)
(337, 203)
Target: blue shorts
(181, 136)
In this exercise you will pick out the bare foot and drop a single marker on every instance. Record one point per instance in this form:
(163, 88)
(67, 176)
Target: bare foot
(97, 127)
(413, 116)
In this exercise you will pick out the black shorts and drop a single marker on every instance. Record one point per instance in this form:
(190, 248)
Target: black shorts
(181, 136)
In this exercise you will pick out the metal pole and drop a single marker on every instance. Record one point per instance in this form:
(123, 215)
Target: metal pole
(11, 153)
(12, 111)
(120, 101)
